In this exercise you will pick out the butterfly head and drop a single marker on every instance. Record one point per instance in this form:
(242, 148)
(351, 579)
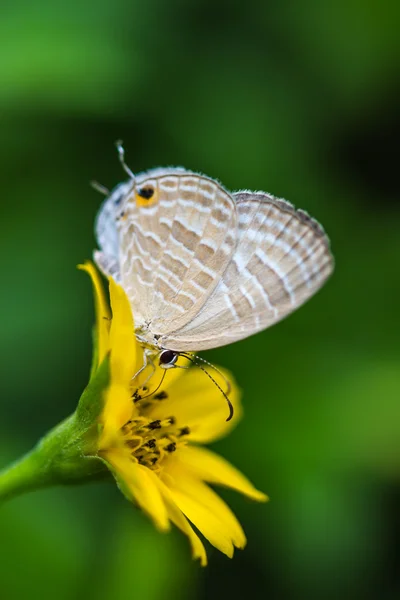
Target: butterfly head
(168, 359)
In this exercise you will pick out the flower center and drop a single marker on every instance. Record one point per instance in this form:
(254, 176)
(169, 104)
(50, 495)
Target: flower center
(151, 441)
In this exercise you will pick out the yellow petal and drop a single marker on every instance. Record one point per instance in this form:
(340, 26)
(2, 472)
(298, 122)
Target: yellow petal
(102, 311)
(210, 467)
(206, 518)
(125, 357)
(142, 484)
(118, 409)
(126, 353)
(179, 519)
(186, 482)
(175, 374)
(196, 402)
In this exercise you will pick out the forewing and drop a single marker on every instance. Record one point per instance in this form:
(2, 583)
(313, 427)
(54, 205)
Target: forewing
(175, 246)
(282, 258)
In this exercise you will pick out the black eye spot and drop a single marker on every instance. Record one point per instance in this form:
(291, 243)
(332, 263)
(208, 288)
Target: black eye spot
(118, 200)
(146, 192)
(168, 357)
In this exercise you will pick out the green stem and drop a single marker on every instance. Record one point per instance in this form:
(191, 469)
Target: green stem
(67, 453)
(23, 475)
(61, 457)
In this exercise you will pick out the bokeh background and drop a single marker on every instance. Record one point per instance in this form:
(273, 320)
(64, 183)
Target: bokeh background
(299, 99)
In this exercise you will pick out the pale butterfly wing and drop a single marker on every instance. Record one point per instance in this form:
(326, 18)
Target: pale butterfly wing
(174, 247)
(106, 223)
(282, 258)
(107, 258)
(202, 271)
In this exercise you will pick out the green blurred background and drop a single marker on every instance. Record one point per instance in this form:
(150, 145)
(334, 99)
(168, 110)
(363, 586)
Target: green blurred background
(298, 99)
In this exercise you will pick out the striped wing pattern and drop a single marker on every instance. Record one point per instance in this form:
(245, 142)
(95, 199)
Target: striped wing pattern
(204, 268)
(174, 251)
(281, 260)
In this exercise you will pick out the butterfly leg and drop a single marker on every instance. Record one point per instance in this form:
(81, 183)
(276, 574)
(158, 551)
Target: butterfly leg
(147, 362)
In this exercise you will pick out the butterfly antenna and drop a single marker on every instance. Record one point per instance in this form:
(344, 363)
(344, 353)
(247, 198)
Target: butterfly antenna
(100, 188)
(230, 405)
(121, 155)
(157, 388)
(227, 382)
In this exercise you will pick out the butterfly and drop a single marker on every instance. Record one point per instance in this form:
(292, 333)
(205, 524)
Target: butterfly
(203, 267)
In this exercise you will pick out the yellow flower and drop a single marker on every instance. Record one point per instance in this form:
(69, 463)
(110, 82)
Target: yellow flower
(150, 437)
